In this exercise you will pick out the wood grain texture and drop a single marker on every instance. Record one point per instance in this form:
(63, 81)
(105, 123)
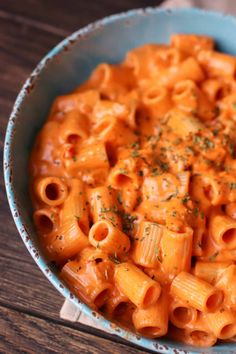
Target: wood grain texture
(23, 333)
(29, 304)
(71, 15)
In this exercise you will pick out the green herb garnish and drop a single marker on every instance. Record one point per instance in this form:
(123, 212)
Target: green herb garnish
(134, 153)
(213, 257)
(114, 258)
(186, 198)
(232, 185)
(119, 197)
(196, 211)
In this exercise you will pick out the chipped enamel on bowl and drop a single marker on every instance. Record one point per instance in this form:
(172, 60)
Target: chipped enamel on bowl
(60, 71)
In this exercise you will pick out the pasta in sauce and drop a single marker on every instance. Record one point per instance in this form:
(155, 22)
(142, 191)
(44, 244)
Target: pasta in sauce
(133, 182)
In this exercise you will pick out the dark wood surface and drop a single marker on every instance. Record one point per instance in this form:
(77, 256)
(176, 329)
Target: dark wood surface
(29, 305)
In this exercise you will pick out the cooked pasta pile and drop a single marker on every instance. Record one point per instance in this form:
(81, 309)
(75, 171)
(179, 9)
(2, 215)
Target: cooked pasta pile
(134, 189)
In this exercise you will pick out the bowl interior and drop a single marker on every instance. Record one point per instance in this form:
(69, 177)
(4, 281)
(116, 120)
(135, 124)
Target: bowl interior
(64, 68)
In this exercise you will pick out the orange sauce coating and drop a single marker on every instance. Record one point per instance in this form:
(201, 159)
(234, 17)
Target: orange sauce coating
(133, 183)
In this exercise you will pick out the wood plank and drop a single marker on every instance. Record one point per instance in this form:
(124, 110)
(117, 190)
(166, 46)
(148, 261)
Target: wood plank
(21, 52)
(71, 15)
(21, 48)
(11, 244)
(23, 333)
(22, 283)
(16, 264)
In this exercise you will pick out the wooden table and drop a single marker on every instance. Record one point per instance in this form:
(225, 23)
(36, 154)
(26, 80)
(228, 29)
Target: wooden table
(29, 305)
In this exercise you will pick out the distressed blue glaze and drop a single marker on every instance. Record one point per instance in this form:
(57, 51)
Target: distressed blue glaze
(62, 69)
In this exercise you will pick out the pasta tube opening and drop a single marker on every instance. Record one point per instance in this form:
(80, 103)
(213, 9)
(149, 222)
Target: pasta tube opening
(102, 296)
(213, 302)
(229, 236)
(120, 309)
(150, 331)
(181, 89)
(83, 226)
(99, 294)
(152, 293)
(89, 254)
(51, 190)
(73, 138)
(44, 221)
(74, 128)
(183, 314)
(122, 180)
(228, 331)
(108, 237)
(154, 94)
(117, 305)
(101, 232)
(185, 95)
(199, 336)
(223, 230)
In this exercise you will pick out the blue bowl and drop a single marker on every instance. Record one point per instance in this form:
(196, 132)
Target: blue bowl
(60, 71)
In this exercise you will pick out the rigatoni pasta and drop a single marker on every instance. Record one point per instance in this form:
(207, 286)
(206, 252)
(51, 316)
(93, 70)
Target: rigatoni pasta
(146, 248)
(196, 292)
(45, 220)
(144, 292)
(133, 184)
(226, 281)
(66, 241)
(222, 323)
(197, 333)
(153, 321)
(210, 271)
(89, 282)
(75, 206)
(117, 304)
(51, 190)
(103, 205)
(73, 128)
(105, 235)
(176, 251)
(182, 314)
